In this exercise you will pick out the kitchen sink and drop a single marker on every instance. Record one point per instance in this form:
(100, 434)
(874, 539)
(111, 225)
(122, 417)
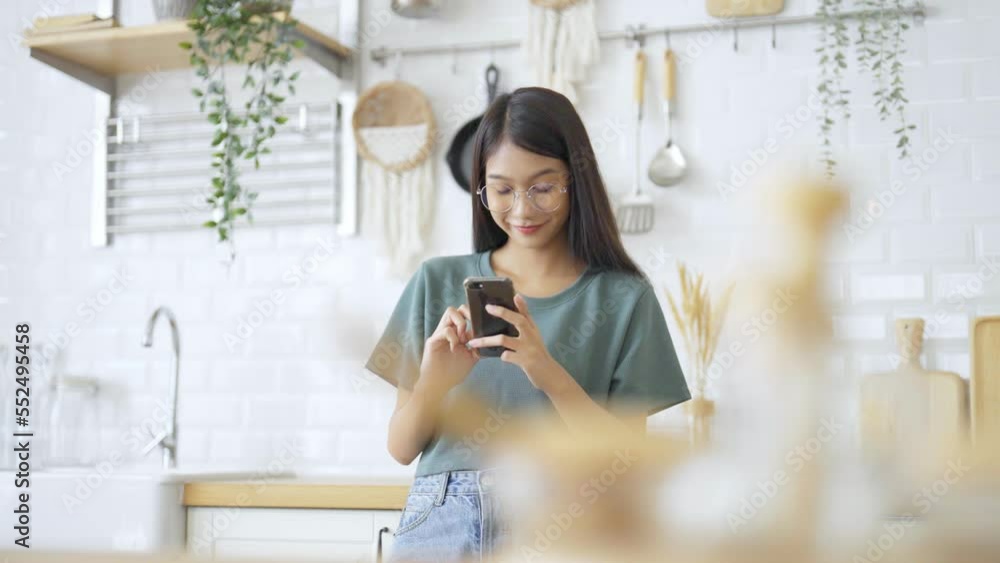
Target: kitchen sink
(81, 510)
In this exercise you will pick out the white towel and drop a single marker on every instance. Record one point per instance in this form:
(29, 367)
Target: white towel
(561, 45)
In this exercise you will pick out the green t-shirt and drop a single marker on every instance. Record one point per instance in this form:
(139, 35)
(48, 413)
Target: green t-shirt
(607, 330)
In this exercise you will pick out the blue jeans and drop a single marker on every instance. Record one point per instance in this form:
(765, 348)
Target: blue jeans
(451, 516)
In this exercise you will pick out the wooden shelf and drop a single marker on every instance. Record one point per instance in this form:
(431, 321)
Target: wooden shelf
(97, 56)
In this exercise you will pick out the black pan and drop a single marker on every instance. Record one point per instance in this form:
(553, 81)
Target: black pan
(459, 155)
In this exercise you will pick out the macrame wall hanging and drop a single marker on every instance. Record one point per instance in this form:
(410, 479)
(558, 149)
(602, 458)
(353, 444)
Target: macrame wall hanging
(561, 43)
(394, 129)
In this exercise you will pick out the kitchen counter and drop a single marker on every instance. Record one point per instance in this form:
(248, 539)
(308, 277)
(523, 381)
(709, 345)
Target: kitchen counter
(232, 487)
(296, 495)
(304, 491)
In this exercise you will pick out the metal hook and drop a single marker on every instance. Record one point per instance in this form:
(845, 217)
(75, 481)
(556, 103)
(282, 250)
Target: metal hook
(493, 53)
(397, 64)
(634, 35)
(454, 60)
(631, 38)
(736, 38)
(774, 35)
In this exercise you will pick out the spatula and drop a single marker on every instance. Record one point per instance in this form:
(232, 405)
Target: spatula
(635, 211)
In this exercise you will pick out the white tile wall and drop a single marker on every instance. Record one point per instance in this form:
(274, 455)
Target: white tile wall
(887, 287)
(931, 243)
(296, 375)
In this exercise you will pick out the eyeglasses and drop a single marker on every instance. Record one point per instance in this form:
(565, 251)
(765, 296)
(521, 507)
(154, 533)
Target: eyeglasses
(500, 198)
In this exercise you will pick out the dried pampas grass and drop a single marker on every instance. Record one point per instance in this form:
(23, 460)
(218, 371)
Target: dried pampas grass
(700, 321)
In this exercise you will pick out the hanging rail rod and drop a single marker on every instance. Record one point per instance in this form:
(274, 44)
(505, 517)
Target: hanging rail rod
(917, 11)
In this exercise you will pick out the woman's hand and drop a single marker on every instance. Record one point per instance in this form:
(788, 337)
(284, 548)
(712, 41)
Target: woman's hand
(526, 350)
(447, 361)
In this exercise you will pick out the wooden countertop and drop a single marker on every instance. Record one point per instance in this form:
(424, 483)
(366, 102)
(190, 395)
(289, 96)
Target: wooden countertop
(296, 495)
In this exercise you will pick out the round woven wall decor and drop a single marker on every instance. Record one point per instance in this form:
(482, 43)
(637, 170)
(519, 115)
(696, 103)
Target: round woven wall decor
(394, 104)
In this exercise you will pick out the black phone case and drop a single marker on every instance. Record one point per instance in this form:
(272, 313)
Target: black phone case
(494, 291)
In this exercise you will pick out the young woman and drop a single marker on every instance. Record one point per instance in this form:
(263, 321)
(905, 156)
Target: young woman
(592, 341)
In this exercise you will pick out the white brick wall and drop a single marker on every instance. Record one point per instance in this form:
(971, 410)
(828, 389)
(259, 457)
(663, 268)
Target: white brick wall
(887, 287)
(931, 243)
(988, 240)
(859, 327)
(297, 377)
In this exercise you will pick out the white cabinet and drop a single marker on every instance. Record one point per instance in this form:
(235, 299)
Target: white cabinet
(278, 534)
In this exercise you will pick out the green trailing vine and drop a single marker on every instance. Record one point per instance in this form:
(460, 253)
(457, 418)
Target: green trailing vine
(879, 46)
(256, 35)
(832, 63)
(868, 44)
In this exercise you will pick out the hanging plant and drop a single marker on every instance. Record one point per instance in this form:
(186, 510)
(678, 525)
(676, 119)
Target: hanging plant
(880, 46)
(832, 64)
(256, 35)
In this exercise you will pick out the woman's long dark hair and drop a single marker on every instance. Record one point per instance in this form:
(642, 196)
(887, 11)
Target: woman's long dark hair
(544, 122)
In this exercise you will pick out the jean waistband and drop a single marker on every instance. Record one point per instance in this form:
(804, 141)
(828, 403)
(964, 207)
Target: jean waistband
(460, 482)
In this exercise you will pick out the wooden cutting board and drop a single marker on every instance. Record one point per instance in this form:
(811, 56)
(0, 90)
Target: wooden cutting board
(912, 403)
(743, 8)
(985, 380)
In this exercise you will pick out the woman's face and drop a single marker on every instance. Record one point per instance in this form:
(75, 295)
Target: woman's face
(511, 168)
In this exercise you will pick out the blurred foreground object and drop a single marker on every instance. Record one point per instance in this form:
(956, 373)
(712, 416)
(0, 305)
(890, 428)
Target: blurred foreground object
(783, 482)
(585, 499)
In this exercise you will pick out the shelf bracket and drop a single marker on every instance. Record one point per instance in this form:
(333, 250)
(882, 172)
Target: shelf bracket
(320, 53)
(102, 82)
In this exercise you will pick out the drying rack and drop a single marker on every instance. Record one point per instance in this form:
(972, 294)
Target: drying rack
(156, 181)
(632, 33)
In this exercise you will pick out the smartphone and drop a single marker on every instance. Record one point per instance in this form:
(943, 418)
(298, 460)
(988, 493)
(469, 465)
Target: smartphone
(480, 292)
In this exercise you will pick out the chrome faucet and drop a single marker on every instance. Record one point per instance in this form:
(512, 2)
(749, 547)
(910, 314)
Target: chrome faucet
(167, 438)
